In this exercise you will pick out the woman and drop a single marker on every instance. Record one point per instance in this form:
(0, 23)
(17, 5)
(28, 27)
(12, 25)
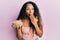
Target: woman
(29, 23)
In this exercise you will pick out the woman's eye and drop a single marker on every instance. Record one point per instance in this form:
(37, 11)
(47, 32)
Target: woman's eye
(27, 9)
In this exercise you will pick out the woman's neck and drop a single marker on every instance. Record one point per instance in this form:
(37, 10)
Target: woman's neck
(26, 22)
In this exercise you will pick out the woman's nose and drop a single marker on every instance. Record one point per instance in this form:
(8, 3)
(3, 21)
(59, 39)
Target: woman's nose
(30, 11)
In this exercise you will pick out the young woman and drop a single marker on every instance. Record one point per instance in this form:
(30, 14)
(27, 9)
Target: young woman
(29, 23)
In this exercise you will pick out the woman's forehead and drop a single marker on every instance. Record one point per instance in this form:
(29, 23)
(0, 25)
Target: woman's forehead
(29, 5)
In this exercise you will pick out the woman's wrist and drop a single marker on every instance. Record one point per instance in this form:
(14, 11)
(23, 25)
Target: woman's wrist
(35, 24)
(18, 28)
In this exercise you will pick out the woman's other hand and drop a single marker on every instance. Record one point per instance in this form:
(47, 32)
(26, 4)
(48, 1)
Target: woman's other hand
(17, 24)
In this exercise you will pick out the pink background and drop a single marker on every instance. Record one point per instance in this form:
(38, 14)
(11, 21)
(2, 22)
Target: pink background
(50, 12)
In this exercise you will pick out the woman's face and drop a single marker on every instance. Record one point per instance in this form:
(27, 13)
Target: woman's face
(29, 9)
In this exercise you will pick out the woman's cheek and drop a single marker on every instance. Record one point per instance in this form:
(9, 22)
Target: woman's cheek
(27, 11)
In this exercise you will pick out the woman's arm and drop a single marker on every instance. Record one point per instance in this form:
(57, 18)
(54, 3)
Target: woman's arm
(38, 29)
(16, 25)
(19, 33)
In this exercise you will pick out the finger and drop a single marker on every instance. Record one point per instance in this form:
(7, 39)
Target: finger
(14, 25)
(31, 18)
(31, 15)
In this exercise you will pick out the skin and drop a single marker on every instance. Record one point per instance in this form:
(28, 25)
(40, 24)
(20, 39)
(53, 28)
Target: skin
(29, 9)
(29, 12)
